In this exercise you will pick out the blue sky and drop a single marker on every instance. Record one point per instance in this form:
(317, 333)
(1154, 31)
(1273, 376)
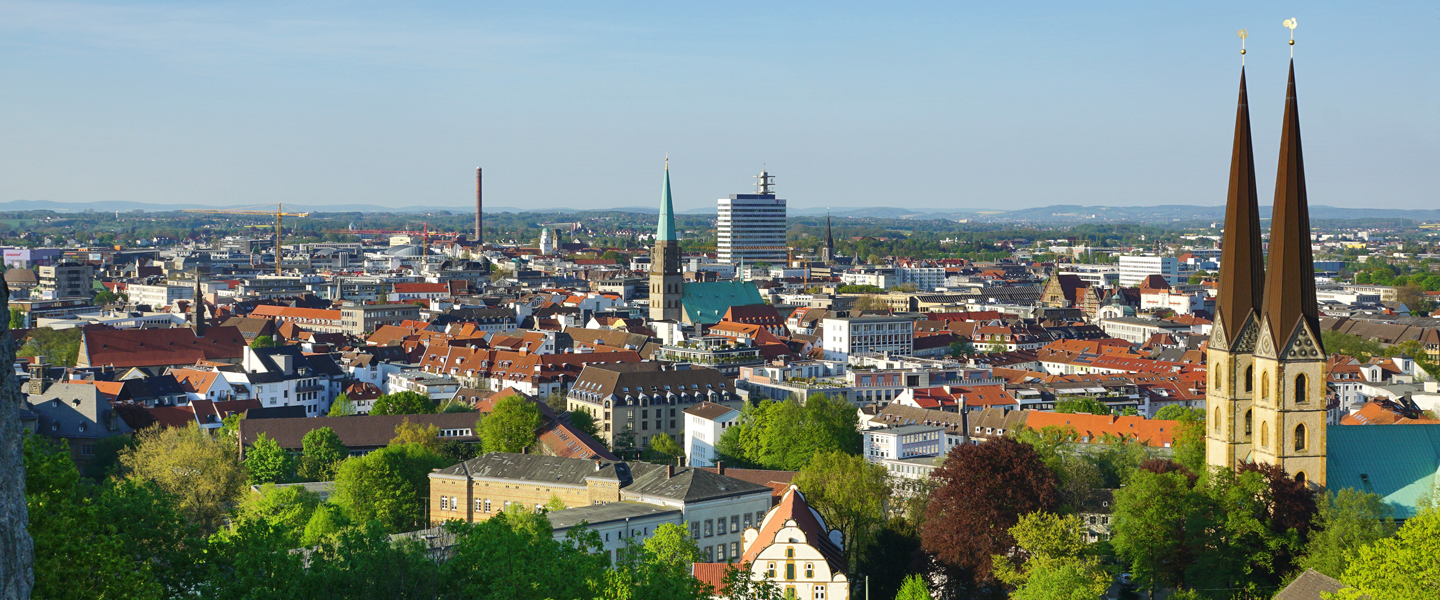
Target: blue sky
(919, 105)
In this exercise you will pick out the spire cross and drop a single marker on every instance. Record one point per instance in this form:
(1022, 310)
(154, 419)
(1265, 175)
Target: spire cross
(1243, 34)
(1290, 23)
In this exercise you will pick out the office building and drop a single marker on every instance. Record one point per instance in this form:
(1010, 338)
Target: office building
(751, 227)
(1134, 269)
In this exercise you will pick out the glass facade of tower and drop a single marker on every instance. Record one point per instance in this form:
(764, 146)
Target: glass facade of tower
(751, 227)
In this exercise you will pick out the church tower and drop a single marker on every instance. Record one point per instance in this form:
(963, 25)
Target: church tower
(1289, 354)
(665, 280)
(1230, 355)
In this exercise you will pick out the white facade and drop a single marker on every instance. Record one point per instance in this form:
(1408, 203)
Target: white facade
(1182, 303)
(926, 279)
(909, 441)
(1134, 269)
(702, 434)
(159, 295)
(751, 227)
(718, 525)
(844, 337)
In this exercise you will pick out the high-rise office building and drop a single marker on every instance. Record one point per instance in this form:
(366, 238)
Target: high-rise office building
(751, 227)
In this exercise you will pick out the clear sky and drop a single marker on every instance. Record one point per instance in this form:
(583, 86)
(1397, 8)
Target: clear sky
(946, 105)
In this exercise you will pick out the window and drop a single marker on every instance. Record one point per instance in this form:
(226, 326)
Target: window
(1300, 435)
(1248, 420)
(695, 529)
(720, 526)
(444, 503)
(747, 520)
(709, 528)
(487, 505)
(1264, 434)
(1265, 386)
(790, 552)
(1249, 379)
(734, 549)
(1217, 419)
(790, 571)
(735, 523)
(820, 592)
(720, 552)
(1302, 393)
(770, 571)
(809, 570)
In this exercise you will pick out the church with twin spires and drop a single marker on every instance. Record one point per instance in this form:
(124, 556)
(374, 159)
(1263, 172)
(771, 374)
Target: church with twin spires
(1267, 391)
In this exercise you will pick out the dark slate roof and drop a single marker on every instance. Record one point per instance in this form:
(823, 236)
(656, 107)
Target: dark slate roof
(75, 410)
(597, 514)
(637, 480)
(1310, 585)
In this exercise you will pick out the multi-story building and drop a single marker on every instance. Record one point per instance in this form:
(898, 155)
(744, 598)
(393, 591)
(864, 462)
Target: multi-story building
(366, 318)
(751, 227)
(794, 549)
(844, 337)
(434, 387)
(716, 508)
(704, 424)
(310, 319)
(65, 280)
(636, 401)
(1134, 269)
(156, 296)
(898, 442)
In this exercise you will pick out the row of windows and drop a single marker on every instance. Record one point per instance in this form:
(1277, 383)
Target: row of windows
(714, 527)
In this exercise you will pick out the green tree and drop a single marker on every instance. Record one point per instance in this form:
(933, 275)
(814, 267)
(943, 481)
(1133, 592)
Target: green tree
(850, 493)
(510, 427)
(914, 589)
(263, 341)
(202, 474)
(287, 509)
(1150, 527)
(663, 446)
(327, 521)
(427, 436)
(738, 584)
(1347, 520)
(961, 348)
(17, 319)
(784, 435)
(390, 485)
(1082, 405)
(1054, 561)
(104, 297)
(321, 453)
(456, 451)
(343, 406)
(514, 556)
(452, 407)
(1175, 412)
(403, 403)
(267, 462)
(1403, 567)
(1188, 443)
(584, 421)
(658, 569)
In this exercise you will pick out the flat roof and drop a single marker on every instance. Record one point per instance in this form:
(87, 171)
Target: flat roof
(599, 514)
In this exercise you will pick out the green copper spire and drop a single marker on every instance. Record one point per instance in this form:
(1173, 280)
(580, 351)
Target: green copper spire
(665, 232)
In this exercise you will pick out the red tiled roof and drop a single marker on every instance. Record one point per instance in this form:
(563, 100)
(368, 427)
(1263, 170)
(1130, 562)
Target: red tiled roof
(290, 312)
(123, 348)
(1152, 432)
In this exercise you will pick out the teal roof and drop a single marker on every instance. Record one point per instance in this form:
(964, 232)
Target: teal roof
(665, 231)
(1398, 462)
(707, 302)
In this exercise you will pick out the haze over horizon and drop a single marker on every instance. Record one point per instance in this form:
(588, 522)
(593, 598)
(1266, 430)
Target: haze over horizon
(928, 106)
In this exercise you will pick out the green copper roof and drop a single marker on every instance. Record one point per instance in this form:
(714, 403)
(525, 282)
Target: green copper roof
(706, 302)
(1398, 462)
(665, 232)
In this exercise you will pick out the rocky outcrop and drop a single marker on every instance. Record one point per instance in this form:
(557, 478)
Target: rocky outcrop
(17, 560)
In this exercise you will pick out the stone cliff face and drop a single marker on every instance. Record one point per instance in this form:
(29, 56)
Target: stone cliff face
(17, 561)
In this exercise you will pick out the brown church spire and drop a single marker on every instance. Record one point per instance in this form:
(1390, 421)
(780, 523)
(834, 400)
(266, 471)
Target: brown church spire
(1242, 275)
(1290, 274)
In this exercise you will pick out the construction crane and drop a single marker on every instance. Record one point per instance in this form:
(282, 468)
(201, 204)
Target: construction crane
(279, 212)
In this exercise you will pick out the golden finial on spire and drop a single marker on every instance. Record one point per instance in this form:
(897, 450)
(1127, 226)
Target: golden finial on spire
(667, 161)
(1243, 34)
(1290, 22)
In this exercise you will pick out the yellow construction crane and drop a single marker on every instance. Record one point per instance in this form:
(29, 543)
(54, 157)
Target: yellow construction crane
(278, 212)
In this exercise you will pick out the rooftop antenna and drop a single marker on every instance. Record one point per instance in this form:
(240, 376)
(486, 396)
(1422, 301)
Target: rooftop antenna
(1243, 34)
(766, 181)
(1290, 23)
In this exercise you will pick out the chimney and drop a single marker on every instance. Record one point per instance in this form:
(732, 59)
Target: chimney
(720, 467)
(669, 471)
(597, 465)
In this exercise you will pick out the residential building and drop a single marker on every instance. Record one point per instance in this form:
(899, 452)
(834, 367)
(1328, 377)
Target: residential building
(362, 434)
(896, 442)
(793, 548)
(125, 348)
(620, 525)
(704, 424)
(365, 318)
(309, 319)
(434, 387)
(78, 413)
(632, 402)
(156, 296)
(65, 280)
(751, 227)
(1138, 330)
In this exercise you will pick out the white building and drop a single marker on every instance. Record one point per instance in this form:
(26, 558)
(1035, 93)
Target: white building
(904, 441)
(157, 296)
(843, 337)
(1134, 269)
(926, 279)
(704, 424)
(751, 227)
(618, 524)
(434, 387)
(547, 243)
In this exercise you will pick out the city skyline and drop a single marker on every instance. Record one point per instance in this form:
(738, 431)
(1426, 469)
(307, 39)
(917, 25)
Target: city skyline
(569, 106)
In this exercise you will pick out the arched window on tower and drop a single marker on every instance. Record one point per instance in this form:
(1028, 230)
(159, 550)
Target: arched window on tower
(1264, 386)
(1217, 419)
(1218, 388)
(1249, 379)
(1264, 434)
(1248, 421)
(1300, 437)
(1302, 392)
(1300, 476)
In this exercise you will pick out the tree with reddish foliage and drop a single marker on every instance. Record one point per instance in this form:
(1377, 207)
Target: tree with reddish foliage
(1290, 504)
(984, 489)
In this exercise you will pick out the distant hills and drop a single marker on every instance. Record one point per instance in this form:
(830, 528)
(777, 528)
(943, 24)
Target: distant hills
(1059, 213)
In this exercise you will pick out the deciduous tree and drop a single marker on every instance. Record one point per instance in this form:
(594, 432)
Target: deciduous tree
(389, 485)
(267, 462)
(1403, 567)
(202, 474)
(427, 436)
(850, 493)
(510, 427)
(1348, 519)
(343, 406)
(403, 403)
(1053, 560)
(984, 489)
(321, 453)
